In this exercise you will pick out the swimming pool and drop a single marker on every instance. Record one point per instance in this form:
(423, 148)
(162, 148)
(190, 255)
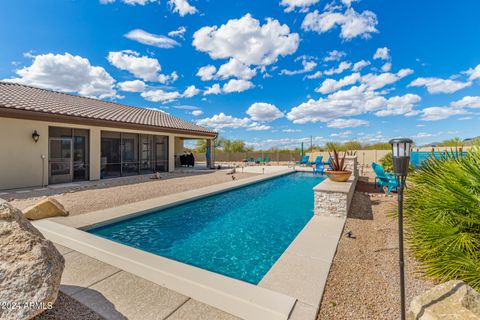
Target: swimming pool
(239, 233)
(417, 157)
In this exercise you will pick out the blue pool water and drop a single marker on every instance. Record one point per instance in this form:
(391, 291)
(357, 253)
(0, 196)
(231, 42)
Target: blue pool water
(239, 233)
(417, 157)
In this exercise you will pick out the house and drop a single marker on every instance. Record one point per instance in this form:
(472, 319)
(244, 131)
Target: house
(49, 137)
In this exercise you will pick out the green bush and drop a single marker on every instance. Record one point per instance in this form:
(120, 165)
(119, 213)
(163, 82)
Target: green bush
(386, 162)
(442, 211)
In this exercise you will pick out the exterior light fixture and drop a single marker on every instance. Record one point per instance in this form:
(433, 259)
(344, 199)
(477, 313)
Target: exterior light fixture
(35, 136)
(401, 163)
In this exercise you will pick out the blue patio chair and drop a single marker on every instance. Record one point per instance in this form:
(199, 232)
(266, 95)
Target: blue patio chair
(329, 163)
(304, 160)
(318, 160)
(319, 168)
(384, 179)
(380, 172)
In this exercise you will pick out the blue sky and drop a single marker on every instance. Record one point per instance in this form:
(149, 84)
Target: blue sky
(270, 72)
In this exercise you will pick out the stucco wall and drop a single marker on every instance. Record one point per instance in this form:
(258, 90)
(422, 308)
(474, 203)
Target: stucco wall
(20, 156)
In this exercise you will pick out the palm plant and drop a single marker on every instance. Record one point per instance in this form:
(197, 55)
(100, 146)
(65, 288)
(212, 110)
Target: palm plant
(442, 210)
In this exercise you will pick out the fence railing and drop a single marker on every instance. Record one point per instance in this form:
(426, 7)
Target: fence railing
(364, 157)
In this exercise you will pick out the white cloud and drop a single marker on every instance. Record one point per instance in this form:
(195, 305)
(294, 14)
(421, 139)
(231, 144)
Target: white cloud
(221, 121)
(179, 33)
(143, 67)
(331, 85)
(473, 73)
(356, 100)
(196, 113)
(307, 63)
(360, 65)
(315, 75)
(285, 143)
(182, 7)
(341, 67)
(400, 105)
(237, 85)
(440, 113)
(265, 112)
(346, 123)
(258, 127)
(437, 85)
(247, 41)
(130, 2)
(343, 134)
(291, 130)
(67, 73)
(191, 91)
(377, 81)
(352, 23)
(334, 55)
(151, 39)
(423, 135)
(214, 89)
(160, 95)
(294, 4)
(206, 73)
(387, 67)
(467, 102)
(132, 86)
(382, 53)
(235, 68)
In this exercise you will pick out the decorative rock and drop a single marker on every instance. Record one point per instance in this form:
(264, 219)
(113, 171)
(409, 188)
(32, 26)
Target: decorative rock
(447, 301)
(30, 267)
(46, 208)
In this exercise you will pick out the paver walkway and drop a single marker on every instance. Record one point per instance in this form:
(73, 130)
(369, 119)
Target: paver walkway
(116, 294)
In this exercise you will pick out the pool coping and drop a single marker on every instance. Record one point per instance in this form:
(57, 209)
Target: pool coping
(275, 297)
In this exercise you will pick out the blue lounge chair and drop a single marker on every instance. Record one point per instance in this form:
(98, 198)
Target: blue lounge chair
(318, 160)
(319, 168)
(304, 160)
(329, 163)
(384, 179)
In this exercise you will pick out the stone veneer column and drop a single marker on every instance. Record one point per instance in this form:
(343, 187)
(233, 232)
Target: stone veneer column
(351, 164)
(334, 198)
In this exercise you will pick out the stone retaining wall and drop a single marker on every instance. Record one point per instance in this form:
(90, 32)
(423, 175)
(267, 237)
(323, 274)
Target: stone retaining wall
(334, 198)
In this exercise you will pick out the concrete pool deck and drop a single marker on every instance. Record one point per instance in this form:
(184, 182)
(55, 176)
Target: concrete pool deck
(292, 289)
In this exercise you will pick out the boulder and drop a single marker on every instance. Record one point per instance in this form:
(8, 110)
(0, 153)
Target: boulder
(452, 300)
(46, 208)
(30, 267)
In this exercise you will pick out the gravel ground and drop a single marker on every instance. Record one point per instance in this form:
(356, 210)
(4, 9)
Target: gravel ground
(67, 308)
(114, 192)
(363, 280)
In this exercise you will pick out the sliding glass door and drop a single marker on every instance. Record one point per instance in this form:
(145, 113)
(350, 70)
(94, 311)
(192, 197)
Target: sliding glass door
(60, 160)
(125, 154)
(68, 154)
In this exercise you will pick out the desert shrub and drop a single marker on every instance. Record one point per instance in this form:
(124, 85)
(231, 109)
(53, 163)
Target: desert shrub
(442, 211)
(386, 162)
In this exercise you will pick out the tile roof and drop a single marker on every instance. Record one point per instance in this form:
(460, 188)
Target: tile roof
(15, 96)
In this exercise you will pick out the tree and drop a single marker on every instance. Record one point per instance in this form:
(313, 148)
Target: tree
(201, 146)
(454, 142)
(352, 145)
(330, 146)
